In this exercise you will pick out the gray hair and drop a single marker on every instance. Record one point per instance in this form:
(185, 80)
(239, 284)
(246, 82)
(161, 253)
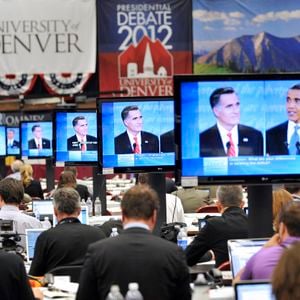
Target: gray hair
(16, 165)
(66, 200)
(230, 195)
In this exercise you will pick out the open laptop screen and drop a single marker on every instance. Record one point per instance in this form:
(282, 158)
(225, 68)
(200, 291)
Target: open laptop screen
(31, 237)
(42, 208)
(240, 250)
(249, 290)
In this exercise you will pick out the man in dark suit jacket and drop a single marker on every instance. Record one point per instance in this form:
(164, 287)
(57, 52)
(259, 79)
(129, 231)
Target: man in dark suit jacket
(66, 243)
(279, 138)
(38, 142)
(167, 143)
(11, 142)
(228, 137)
(136, 255)
(81, 141)
(232, 224)
(134, 140)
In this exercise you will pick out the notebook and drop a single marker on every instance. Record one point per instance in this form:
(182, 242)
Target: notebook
(30, 240)
(43, 208)
(240, 250)
(252, 289)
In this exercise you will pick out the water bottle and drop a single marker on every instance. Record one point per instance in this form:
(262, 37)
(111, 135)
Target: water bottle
(46, 223)
(97, 207)
(133, 292)
(114, 293)
(201, 288)
(89, 204)
(114, 232)
(182, 239)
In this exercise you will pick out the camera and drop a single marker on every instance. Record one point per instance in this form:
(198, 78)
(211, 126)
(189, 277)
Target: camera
(8, 236)
(7, 227)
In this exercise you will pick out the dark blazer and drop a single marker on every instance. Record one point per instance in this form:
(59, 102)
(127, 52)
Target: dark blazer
(135, 255)
(13, 278)
(167, 143)
(45, 144)
(276, 140)
(250, 142)
(74, 144)
(34, 189)
(233, 224)
(83, 191)
(65, 244)
(150, 143)
(15, 144)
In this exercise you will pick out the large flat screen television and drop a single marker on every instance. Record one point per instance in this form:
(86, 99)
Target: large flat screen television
(238, 128)
(13, 144)
(136, 134)
(36, 139)
(75, 137)
(2, 140)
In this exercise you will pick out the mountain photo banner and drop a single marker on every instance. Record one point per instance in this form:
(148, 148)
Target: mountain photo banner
(142, 45)
(250, 36)
(42, 36)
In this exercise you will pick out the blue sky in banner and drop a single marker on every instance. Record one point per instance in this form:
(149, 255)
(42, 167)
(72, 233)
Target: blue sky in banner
(219, 21)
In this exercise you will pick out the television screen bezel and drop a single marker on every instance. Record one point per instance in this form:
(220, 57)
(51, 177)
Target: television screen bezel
(5, 146)
(132, 169)
(20, 148)
(21, 139)
(74, 162)
(226, 179)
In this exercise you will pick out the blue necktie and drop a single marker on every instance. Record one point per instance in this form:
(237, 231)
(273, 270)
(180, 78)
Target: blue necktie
(294, 145)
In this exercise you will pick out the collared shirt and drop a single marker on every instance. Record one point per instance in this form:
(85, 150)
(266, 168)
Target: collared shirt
(38, 142)
(16, 175)
(291, 130)
(21, 221)
(225, 139)
(81, 139)
(261, 264)
(136, 224)
(132, 141)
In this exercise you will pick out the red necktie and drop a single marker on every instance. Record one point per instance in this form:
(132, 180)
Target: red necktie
(230, 150)
(83, 146)
(39, 145)
(136, 146)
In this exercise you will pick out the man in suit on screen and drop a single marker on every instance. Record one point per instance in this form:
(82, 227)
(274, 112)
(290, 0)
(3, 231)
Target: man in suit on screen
(38, 142)
(11, 142)
(284, 139)
(81, 141)
(134, 140)
(227, 137)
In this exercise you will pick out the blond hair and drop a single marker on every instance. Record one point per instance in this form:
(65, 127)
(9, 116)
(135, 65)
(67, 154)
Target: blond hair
(26, 172)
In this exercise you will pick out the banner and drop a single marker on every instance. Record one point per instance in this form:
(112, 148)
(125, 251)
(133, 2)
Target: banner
(251, 36)
(141, 46)
(42, 36)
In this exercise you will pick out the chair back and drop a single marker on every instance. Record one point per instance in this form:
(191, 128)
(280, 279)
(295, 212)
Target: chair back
(72, 271)
(225, 266)
(207, 209)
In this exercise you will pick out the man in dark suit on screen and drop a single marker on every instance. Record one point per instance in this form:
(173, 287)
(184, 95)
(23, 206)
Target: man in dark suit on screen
(167, 143)
(284, 139)
(134, 140)
(136, 255)
(38, 142)
(228, 137)
(11, 142)
(81, 141)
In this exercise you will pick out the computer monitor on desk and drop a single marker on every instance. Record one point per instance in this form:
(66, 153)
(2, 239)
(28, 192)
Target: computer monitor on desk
(253, 290)
(42, 209)
(31, 238)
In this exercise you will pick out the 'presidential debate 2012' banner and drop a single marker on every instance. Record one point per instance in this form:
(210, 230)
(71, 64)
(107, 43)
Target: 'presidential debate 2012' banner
(42, 36)
(142, 45)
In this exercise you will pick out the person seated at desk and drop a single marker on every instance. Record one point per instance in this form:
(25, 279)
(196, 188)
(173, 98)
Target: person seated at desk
(15, 168)
(14, 284)
(67, 242)
(261, 264)
(293, 189)
(136, 255)
(232, 224)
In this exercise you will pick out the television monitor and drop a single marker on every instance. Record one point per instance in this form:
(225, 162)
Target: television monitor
(76, 138)
(2, 140)
(36, 139)
(150, 121)
(13, 144)
(248, 106)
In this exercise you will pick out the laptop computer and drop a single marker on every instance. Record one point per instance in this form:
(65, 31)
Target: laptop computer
(252, 289)
(83, 216)
(240, 250)
(43, 208)
(30, 240)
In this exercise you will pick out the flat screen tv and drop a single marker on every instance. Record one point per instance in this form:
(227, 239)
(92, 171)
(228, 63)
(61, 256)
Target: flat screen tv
(36, 139)
(2, 140)
(238, 128)
(13, 144)
(136, 134)
(75, 137)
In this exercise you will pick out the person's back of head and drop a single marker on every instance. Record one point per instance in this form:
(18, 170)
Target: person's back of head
(290, 217)
(139, 202)
(286, 275)
(280, 198)
(72, 169)
(16, 165)
(11, 191)
(230, 195)
(170, 186)
(26, 172)
(67, 179)
(66, 200)
(293, 188)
